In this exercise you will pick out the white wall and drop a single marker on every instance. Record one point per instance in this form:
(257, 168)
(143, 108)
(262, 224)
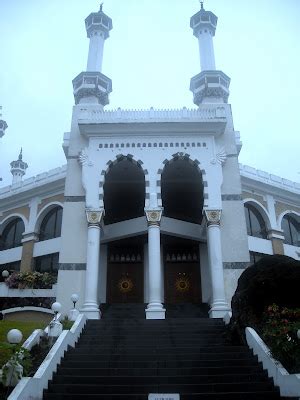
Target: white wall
(47, 247)
(260, 245)
(292, 251)
(11, 255)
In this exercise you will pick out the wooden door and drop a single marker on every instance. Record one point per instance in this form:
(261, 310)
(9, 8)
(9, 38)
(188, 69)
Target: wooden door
(182, 283)
(125, 283)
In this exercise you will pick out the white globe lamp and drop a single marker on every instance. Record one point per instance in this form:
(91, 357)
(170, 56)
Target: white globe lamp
(74, 299)
(5, 274)
(14, 336)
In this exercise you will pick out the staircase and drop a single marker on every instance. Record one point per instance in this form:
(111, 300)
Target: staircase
(129, 358)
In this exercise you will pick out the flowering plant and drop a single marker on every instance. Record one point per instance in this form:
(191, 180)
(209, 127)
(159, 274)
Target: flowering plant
(280, 334)
(34, 280)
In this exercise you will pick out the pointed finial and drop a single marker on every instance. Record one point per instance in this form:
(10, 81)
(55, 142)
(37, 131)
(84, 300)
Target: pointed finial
(101, 6)
(201, 2)
(21, 154)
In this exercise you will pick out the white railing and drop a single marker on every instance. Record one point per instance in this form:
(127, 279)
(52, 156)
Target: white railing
(34, 181)
(32, 388)
(289, 384)
(119, 115)
(265, 177)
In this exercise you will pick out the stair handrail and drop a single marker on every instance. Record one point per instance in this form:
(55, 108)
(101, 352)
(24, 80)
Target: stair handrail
(32, 388)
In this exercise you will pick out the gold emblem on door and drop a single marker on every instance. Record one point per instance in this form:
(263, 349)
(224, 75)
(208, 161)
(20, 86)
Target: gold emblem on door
(125, 285)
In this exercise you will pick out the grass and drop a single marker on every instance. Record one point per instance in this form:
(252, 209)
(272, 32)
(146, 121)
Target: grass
(25, 327)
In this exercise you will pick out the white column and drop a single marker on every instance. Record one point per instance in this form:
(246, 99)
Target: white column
(206, 48)
(95, 57)
(91, 307)
(219, 305)
(155, 308)
(146, 274)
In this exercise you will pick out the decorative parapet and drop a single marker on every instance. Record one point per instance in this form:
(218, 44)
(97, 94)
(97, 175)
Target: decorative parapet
(203, 113)
(265, 177)
(35, 181)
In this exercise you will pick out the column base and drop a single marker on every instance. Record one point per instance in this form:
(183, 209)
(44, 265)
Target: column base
(91, 311)
(219, 310)
(155, 311)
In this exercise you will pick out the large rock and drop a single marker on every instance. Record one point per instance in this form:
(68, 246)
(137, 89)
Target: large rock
(273, 279)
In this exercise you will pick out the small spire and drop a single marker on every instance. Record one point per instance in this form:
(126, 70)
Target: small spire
(101, 7)
(201, 2)
(21, 154)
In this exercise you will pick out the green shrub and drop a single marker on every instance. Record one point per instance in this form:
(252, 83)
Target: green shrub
(280, 334)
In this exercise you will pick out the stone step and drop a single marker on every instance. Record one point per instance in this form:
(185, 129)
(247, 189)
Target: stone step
(157, 379)
(160, 388)
(158, 364)
(80, 357)
(132, 371)
(265, 395)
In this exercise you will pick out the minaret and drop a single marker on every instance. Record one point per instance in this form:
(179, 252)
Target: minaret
(18, 169)
(211, 85)
(92, 87)
(3, 125)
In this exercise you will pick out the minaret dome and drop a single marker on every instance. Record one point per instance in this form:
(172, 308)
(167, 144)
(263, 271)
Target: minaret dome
(18, 168)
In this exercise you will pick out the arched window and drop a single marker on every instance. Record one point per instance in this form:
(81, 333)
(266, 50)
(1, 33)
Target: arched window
(255, 223)
(291, 230)
(51, 224)
(12, 234)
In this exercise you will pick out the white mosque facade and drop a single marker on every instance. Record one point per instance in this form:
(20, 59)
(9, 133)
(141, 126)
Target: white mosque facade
(152, 206)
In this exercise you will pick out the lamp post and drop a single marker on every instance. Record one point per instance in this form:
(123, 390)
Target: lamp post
(14, 368)
(73, 313)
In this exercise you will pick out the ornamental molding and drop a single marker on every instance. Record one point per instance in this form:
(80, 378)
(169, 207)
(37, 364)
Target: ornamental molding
(213, 217)
(91, 92)
(154, 216)
(94, 217)
(204, 112)
(220, 158)
(83, 157)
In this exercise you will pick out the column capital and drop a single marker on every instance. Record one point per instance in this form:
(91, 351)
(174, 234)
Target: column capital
(213, 217)
(154, 215)
(94, 216)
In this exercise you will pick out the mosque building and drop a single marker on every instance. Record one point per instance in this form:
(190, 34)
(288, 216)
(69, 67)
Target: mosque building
(152, 206)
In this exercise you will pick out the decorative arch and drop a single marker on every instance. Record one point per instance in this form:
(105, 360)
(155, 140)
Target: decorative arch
(261, 209)
(262, 213)
(16, 226)
(11, 217)
(280, 217)
(43, 212)
(195, 162)
(141, 188)
(113, 162)
(291, 228)
(182, 182)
